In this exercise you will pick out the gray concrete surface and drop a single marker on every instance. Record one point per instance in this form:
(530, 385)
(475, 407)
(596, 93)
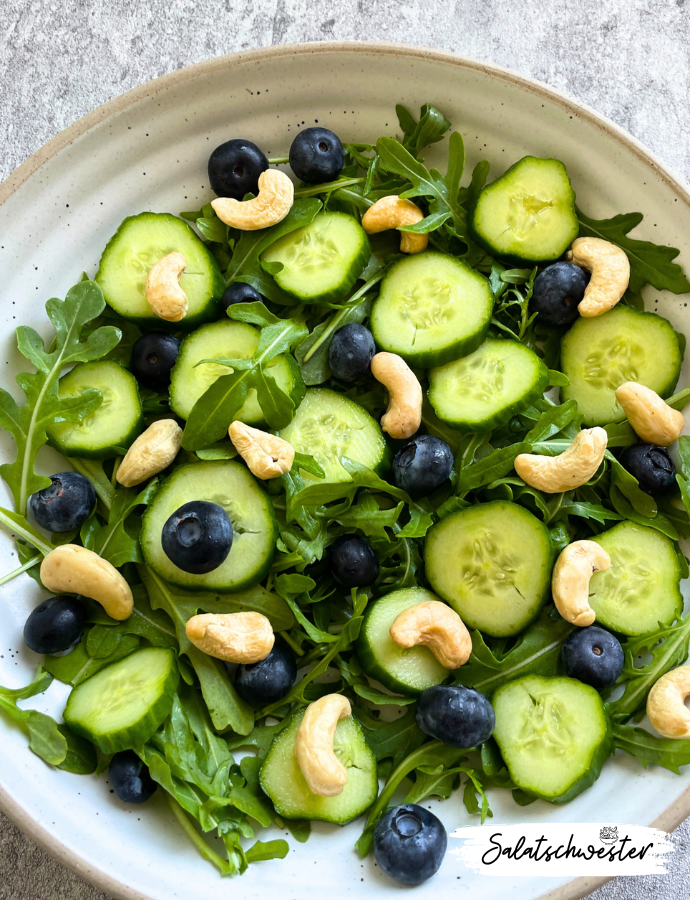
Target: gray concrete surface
(629, 59)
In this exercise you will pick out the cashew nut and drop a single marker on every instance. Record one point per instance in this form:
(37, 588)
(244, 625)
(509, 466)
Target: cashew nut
(267, 456)
(610, 268)
(436, 626)
(152, 452)
(652, 419)
(392, 212)
(243, 637)
(570, 580)
(404, 414)
(270, 206)
(322, 770)
(666, 704)
(75, 570)
(570, 469)
(163, 293)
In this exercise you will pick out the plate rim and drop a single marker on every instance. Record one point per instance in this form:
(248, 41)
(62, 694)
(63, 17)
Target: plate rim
(677, 811)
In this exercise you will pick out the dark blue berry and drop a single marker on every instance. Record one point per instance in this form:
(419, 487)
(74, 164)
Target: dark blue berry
(130, 778)
(350, 353)
(410, 843)
(353, 562)
(269, 680)
(197, 537)
(234, 168)
(593, 656)
(422, 465)
(153, 356)
(455, 715)
(55, 624)
(239, 292)
(316, 155)
(652, 466)
(557, 291)
(66, 504)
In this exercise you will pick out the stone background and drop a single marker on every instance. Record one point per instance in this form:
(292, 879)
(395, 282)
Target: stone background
(629, 59)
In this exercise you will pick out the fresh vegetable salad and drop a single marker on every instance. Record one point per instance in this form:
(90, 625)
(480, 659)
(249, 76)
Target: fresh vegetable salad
(367, 499)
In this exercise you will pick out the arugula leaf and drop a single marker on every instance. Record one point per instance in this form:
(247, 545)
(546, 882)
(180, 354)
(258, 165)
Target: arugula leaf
(495, 465)
(28, 424)
(650, 749)
(118, 540)
(312, 352)
(79, 664)
(374, 696)
(45, 738)
(430, 128)
(21, 528)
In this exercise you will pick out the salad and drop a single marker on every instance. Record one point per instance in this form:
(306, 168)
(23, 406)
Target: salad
(367, 499)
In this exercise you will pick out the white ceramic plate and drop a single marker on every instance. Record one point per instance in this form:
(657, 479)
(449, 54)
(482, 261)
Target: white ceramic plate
(148, 150)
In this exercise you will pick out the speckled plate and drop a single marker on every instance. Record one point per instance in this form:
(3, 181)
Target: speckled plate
(147, 150)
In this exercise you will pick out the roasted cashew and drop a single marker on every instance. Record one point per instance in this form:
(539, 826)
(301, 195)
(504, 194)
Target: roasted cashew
(404, 414)
(324, 773)
(571, 469)
(270, 206)
(652, 419)
(242, 637)
(75, 570)
(570, 580)
(163, 293)
(152, 452)
(666, 704)
(610, 268)
(267, 456)
(392, 212)
(436, 626)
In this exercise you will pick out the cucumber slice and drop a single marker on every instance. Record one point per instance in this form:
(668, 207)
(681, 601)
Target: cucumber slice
(321, 261)
(488, 387)
(600, 354)
(232, 486)
(113, 426)
(328, 426)
(641, 590)
(528, 214)
(432, 309)
(492, 564)
(121, 706)
(141, 241)
(234, 340)
(282, 779)
(553, 733)
(405, 670)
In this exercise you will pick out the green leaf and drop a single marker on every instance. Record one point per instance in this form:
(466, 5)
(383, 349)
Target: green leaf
(495, 465)
(312, 352)
(81, 758)
(374, 696)
(20, 527)
(552, 421)
(267, 850)
(79, 664)
(651, 750)
(430, 128)
(45, 738)
(117, 541)
(392, 740)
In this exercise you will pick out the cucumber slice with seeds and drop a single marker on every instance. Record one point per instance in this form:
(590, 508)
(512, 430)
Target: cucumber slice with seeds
(600, 354)
(114, 424)
(528, 214)
(121, 706)
(488, 387)
(141, 241)
(432, 309)
(553, 733)
(282, 779)
(641, 590)
(492, 564)
(321, 261)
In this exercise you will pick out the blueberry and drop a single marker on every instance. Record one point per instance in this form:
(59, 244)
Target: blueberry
(66, 504)
(410, 843)
(239, 292)
(55, 625)
(197, 537)
(316, 155)
(350, 352)
(269, 680)
(130, 778)
(422, 465)
(593, 656)
(153, 356)
(557, 291)
(353, 562)
(652, 466)
(234, 169)
(455, 715)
